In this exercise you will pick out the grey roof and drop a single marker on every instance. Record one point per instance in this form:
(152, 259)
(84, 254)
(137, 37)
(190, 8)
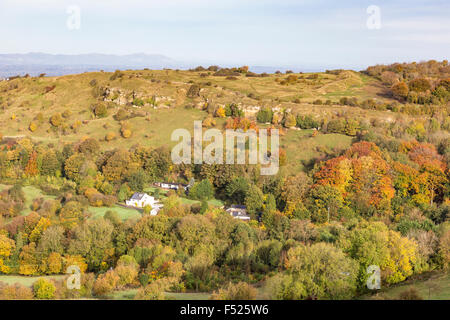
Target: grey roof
(238, 206)
(137, 196)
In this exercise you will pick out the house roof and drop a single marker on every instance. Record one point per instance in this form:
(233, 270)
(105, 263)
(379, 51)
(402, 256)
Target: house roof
(238, 206)
(138, 196)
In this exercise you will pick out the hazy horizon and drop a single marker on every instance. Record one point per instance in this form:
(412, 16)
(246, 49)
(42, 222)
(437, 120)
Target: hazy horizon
(318, 34)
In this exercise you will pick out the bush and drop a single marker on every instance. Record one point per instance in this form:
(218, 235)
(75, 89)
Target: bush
(289, 120)
(126, 133)
(239, 291)
(410, 294)
(44, 289)
(264, 115)
(33, 126)
(400, 90)
(100, 110)
(194, 91)
(203, 190)
(110, 136)
(121, 114)
(307, 122)
(56, 120)
(419, 85)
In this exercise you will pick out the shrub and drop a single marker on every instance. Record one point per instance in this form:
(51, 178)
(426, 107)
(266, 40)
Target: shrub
(194, 91)
(419, 85)
(44, 289)
(67, 113)
(100, 110)
(289, 120)
(238, 291)
(400, 90)
(410, 294)
(264, 115)
(121, 114)
(56, 120)
(232, 110)
(106, 283)
(138, 102)
(33, 126)
(307, 122)
(110, 136)
(126, 133)
(16, 292)
(203, 190)
(220, 112)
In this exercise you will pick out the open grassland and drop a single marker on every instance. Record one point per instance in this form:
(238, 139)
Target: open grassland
(31, 193)
(163, 193)
(26, 280)
(24, 99)
(430, 286)
(129, 294)
(124, 213)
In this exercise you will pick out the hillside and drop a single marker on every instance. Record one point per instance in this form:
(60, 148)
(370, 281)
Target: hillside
(156, 103)
(363, 183)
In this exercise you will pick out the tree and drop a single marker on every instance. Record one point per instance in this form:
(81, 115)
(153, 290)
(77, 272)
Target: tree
(44, 289)
(54, 263)
(254, 200)
(137, 180)
(318, 271)
(117, 166)
(400, 90)
(73, 166)
(94, 241)
(419, 85)
(89, 147)
(289, 120)
(237, 189)
(52, 240)
(325, 203)
(56, 120)
(31, 168)
(7, 247)
(264, 115)
(238, 291)
(202, 190)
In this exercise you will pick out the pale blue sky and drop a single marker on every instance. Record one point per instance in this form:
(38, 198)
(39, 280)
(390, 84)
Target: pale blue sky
(304, 33)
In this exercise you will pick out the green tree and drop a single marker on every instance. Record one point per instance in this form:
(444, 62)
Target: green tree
(318, 271)
(44, 289)
(202, 190)
(254, 200)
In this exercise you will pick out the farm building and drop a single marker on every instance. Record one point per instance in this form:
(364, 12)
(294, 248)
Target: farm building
(172, 186)
(140, 200)
(238, 212)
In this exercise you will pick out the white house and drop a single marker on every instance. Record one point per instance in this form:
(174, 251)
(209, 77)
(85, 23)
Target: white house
(140, 200)
(238, 212)
(172, 186)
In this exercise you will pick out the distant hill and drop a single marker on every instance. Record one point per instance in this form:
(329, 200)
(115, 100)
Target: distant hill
(60, 64)
(63, 64)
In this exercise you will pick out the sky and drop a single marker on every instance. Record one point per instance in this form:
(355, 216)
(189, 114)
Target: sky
(298, 33)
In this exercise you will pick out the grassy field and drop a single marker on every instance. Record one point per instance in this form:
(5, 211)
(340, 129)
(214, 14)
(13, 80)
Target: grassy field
(124, 213)
(129, 294)
(31, 193)
(163, 192)
(431, 286)
(26, 280)
(311, 147)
